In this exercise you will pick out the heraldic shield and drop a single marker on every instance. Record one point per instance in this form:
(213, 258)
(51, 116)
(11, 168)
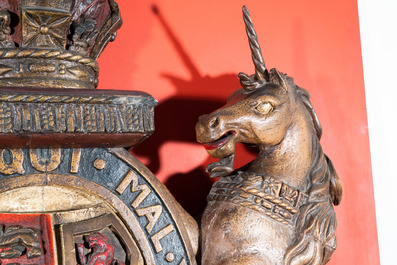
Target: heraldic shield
(70, 192)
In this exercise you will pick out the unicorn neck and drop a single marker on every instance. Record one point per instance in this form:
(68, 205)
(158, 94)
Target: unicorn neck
(291, 159)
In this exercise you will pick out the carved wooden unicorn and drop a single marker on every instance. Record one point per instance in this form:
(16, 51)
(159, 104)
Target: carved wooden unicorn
(278, 208)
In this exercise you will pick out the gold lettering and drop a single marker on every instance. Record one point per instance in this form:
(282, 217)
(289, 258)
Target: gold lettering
(48, 165)
(16, 165)
(132, 177)
(152, 213)
(75, 163)
(159, 235)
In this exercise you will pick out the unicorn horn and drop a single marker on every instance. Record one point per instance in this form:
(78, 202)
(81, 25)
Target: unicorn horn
(260, 67)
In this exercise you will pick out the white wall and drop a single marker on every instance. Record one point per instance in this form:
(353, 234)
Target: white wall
(378, 25)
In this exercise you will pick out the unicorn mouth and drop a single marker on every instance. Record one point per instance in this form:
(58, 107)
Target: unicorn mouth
(221, 141)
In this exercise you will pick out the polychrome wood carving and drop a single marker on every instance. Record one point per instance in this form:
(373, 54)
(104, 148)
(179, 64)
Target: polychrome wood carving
(69, 191)
(278, 208)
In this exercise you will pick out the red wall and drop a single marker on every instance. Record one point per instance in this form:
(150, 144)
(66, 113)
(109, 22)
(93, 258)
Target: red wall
(188, 56)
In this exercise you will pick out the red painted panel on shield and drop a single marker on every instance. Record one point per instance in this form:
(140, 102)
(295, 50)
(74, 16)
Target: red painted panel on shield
(187, 55)
(26, 239)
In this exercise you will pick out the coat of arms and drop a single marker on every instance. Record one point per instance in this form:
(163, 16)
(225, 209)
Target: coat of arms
(69, 191)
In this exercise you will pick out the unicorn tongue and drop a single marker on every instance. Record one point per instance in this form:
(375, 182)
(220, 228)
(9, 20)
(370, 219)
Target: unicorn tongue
(220, 142)
(222, 168)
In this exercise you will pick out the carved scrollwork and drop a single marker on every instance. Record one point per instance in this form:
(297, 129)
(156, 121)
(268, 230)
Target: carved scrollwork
(5, 30)
(84, 35)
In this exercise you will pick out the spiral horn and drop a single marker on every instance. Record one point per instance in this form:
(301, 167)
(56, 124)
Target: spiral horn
(260, 67)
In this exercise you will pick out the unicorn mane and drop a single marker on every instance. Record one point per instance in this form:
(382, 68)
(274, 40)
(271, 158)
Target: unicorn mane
(316, 224)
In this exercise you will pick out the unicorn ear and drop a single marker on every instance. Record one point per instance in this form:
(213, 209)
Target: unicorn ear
(250, 83)
(304, 95)
(278, 78)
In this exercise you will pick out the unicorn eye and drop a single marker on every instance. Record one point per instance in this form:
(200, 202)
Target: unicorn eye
(264, 108)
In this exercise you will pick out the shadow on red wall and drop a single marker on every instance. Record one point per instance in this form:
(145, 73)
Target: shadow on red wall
(174, 122)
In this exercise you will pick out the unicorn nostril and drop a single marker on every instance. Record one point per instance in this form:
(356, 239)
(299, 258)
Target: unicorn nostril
(214, 122)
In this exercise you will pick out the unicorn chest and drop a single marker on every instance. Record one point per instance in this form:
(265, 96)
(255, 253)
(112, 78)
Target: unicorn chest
(263, 194)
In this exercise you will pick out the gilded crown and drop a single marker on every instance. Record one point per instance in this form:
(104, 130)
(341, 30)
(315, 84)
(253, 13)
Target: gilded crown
(53, 43)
